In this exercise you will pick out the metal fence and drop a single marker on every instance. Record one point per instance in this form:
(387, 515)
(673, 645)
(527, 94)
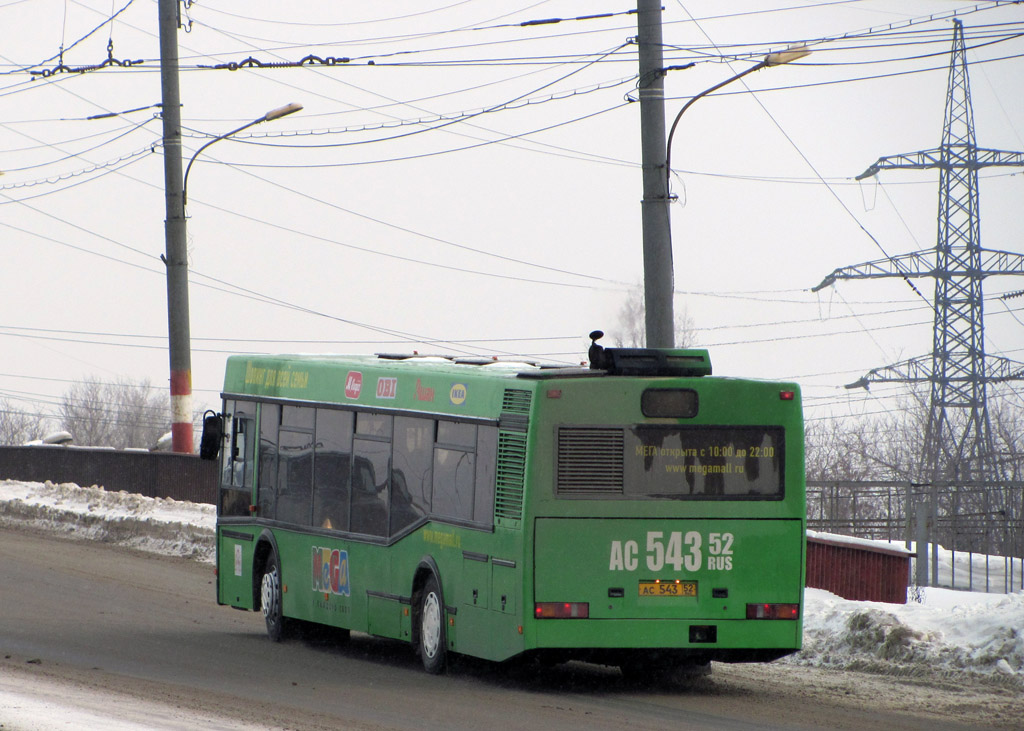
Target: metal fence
(966, 536)
(153, 474)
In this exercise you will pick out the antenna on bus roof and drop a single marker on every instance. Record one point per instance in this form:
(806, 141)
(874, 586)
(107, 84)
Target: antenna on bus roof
(598, 361)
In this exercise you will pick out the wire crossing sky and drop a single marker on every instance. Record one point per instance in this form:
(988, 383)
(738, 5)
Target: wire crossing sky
(465, 178)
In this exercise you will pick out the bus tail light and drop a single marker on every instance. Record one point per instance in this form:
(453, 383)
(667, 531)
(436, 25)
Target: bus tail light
(561, 610)
(787, 395)
(773, 611)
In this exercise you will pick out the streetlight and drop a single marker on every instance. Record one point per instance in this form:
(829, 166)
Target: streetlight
(268, 117)
(176, 261)
(658, 287)
(772, 59)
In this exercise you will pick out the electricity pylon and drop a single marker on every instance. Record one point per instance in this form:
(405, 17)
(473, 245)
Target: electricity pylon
(958, 444)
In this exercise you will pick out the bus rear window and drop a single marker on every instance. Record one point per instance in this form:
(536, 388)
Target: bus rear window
(671, 462)
(678, 403)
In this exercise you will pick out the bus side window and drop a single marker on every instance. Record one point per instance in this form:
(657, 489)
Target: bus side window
(331, 468)
(270, 421)
(454, 470)
(237, 460)
(454, 478)
(227, 455)
(410, 471)
(370, 486)
(486, 461)
(294, 476)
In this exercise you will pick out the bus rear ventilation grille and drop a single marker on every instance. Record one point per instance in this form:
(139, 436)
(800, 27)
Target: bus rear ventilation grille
(590, 461)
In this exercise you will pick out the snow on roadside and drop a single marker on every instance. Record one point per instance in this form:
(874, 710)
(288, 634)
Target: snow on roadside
(157, 525)
(948, 633)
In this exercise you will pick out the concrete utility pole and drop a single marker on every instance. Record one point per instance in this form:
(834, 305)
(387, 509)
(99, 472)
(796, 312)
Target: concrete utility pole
(176, 255)
(659, 278)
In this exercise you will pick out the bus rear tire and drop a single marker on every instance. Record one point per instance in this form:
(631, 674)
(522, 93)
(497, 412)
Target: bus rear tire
(430, 616)
(278, 626)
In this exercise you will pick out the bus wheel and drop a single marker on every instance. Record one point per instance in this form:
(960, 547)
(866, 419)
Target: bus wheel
(431, 627)
(270, 600)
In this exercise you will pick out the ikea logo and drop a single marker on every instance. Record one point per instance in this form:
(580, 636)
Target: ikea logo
(457, 395)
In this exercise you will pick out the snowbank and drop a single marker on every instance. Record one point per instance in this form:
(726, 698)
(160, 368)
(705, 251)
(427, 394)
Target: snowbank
(157, 525)
(949, 633)
(946, 632)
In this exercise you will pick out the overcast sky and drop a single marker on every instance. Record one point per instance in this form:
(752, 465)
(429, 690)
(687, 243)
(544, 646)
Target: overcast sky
(469, 184)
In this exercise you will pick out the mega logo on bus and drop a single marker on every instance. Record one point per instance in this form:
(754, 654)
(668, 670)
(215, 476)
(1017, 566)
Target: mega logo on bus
(330, 571)
(353, 384)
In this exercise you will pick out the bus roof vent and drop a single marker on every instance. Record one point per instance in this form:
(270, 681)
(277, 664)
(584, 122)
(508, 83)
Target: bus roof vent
(648, 361)
(516, 401)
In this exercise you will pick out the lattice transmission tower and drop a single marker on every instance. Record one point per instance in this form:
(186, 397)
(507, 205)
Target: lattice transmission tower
(958, 445)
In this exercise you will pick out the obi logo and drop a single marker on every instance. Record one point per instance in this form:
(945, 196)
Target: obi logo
(330, 571)
(423, 394)
(387, 387)
(458, 394)
(353, 384)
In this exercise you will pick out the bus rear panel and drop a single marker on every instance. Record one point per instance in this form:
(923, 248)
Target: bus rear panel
(668, 519)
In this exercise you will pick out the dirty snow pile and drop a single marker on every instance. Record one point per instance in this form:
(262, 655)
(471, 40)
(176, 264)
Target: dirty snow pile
(948, 633)
(945, 632)
(158, 525)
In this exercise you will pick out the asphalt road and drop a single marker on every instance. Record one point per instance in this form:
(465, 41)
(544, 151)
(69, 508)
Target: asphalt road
(112, 620)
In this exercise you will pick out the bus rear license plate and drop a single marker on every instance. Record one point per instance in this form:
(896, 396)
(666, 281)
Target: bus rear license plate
(668, 588)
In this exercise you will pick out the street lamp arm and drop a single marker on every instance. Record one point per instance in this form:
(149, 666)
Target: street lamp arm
(772, 59)
(269, 116)
(184, 187)
(675, 122)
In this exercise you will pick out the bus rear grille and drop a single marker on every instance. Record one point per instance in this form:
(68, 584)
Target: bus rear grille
(590, 461)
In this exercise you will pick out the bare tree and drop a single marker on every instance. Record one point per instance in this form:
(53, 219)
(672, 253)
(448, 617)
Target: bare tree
(1008, 434)
(834, 450)
(85, 414)
(886, 446)
(122, 414)
(891, 446)
(17, 426)
(888, 450)
(631, 329)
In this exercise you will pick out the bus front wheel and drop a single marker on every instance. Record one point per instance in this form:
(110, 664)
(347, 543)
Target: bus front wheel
(431, 627)
(270, 600)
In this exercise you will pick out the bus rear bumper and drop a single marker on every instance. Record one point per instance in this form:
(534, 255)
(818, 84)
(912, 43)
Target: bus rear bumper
(655, 657)
(722, 640)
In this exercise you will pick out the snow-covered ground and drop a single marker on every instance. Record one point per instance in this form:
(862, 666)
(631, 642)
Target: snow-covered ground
(157, 525)
(945, 632)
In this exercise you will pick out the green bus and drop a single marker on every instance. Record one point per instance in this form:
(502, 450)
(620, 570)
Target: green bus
(635, 512)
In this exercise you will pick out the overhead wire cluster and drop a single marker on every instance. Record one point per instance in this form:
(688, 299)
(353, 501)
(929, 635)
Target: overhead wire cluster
(889, 44)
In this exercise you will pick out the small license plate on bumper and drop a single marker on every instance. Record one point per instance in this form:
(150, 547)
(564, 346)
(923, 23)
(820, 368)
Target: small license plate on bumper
(668, 588)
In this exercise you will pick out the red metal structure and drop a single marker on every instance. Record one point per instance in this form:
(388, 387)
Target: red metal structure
(858, 569)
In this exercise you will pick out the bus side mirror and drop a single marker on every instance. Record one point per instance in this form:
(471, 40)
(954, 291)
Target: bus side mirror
(213, 435)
